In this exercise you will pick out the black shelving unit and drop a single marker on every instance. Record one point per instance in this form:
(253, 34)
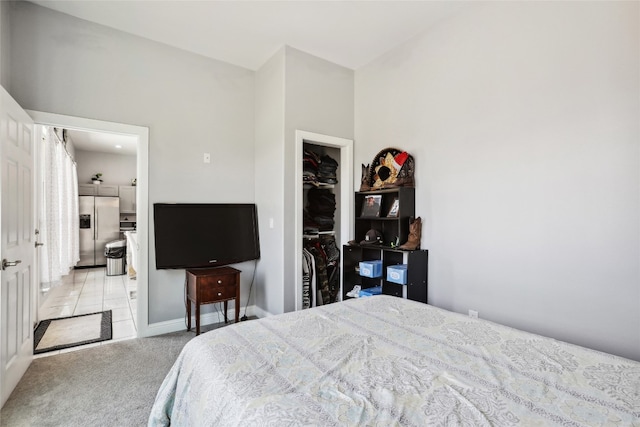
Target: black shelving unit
(395, 231)
(417, 270)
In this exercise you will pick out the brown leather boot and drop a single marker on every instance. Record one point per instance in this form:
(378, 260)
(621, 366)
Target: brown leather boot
(364, 180)
(415, 233)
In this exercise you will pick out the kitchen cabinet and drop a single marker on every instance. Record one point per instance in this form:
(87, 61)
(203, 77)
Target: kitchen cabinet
(127, 199)
(97, 190)
(107, 190)
(87, 190)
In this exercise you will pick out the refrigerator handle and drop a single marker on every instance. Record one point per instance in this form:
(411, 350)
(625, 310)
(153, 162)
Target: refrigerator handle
(95, 226)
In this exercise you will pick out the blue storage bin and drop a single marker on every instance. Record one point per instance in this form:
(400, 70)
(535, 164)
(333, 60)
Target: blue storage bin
(397, 274)
(371, 268)
(376, 290)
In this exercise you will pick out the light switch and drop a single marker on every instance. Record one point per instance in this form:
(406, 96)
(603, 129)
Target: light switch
(207, 158)
(270, 222)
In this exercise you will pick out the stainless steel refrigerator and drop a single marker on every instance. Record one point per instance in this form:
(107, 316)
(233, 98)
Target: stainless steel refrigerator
(99, 225)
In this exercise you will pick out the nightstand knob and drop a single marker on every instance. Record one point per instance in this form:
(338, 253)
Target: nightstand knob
(219, 293)
(219, 281)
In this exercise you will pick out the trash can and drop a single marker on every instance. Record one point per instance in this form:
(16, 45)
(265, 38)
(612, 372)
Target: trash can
(115, 252)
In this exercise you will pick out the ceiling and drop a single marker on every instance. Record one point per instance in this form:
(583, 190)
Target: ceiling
(248, 33)
(103, 142)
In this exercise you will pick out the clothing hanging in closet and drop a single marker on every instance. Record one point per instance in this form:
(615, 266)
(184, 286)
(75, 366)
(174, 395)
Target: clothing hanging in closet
(321, 257)
(320, 271)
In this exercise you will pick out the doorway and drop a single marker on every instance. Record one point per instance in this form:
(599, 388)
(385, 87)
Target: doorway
(141, 137)
(342, 149)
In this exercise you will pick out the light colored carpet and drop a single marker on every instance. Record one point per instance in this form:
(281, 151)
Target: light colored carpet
(110, 385)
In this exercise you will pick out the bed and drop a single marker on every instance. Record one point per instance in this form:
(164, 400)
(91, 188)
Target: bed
(384, 361)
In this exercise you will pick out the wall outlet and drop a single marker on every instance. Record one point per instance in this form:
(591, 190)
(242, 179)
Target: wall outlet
(207, 158)
(473, 314)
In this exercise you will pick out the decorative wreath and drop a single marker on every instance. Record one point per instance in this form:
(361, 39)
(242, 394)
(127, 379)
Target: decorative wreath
(391, 167)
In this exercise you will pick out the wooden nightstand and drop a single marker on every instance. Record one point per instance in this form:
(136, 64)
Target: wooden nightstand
(212, 285)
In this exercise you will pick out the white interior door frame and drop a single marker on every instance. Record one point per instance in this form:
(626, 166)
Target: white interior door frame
(142, 195)
(346, 192)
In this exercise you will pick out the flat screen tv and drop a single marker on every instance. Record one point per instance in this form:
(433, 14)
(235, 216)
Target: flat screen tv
(197, 235)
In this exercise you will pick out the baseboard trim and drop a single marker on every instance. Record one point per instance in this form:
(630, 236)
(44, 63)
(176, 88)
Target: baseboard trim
(175, 325)
(259, 313)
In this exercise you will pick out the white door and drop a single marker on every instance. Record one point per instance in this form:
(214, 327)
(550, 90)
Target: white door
(17, 246)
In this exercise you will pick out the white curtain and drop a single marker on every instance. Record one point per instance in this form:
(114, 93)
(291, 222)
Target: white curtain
(60, 220)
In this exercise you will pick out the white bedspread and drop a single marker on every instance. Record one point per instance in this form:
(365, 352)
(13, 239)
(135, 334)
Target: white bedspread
(384, 361)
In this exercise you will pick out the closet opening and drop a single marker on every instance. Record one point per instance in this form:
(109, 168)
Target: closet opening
(323, 215)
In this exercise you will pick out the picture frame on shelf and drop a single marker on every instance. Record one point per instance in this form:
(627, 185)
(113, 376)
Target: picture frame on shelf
(371, 206)
(393, 210)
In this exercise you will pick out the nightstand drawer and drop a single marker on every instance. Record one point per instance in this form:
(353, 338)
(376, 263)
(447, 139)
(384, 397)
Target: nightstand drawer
(222, 281)
(217, 293)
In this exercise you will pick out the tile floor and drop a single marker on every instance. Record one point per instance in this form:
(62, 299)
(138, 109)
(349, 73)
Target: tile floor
(90, 290)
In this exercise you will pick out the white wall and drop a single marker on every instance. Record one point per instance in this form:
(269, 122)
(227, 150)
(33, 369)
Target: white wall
(269, 181)
(319, 98)
(116, 169)
(5, 43)
(294, 90)
(523, 118)
(190, 104)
